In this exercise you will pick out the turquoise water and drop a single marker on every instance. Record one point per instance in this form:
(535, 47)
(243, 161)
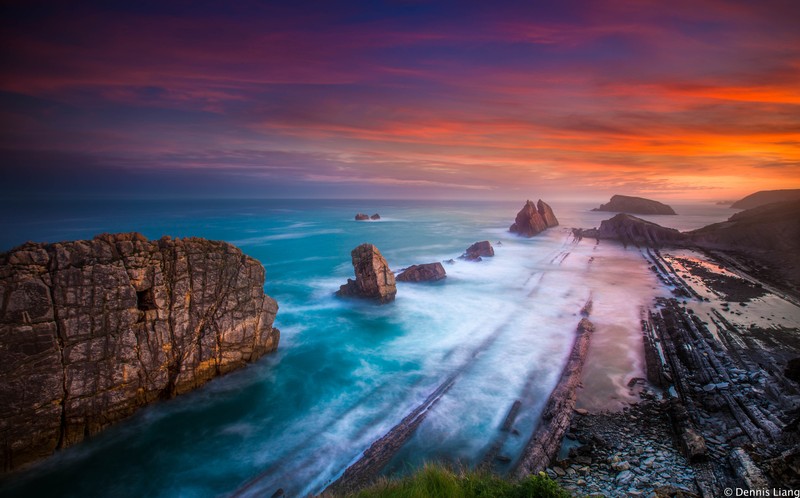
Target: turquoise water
(347, 370)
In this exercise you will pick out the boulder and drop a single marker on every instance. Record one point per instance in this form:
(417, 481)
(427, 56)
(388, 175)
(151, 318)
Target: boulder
(374, 279)
(375, 216)
(476, 251)
(92, 330)
(533, 219)
(423, 273)
(634, 205)
(362, 217)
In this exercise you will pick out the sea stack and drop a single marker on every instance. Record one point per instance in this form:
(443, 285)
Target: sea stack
(533, 219)
(92, 330)
(478, 250)
(634, 205)
(423, 273)
(374, 279)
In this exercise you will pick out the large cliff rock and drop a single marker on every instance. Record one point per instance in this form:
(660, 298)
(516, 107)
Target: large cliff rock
(634, 205)
(533, 219)
(374, 279)
(770, 234)
(767, 197)
(629, 229)
(94, 329)
(423, 273)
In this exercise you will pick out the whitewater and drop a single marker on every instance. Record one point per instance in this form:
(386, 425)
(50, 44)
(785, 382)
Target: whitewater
(348, 370)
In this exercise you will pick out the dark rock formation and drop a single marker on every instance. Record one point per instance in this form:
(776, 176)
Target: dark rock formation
(477, 250)
(557, 415)
(533, 219)
(423, 273)
(375, 216)
(767, 197)
(769, 234)
(634, 205)
(362, 217)
(92, 330)
(632, 230)
(374, 279)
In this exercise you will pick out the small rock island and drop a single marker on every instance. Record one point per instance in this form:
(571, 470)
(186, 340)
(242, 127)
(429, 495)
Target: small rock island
(634, 205)
(428, 272)
(478, 250)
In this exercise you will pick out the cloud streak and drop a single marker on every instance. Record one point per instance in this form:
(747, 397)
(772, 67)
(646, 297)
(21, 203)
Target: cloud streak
(411, 99)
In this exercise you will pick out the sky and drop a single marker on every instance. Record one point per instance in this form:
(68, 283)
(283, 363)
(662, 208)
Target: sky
(671, 100)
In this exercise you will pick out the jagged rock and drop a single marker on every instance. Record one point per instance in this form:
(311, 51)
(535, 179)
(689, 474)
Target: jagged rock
(423, 273)
(476, 251)
(95, 329)
(533, 219)
(632, 230)
(375, 216)
(634, 205)
(362, 217)
(374, 279)
(767, 197)
(792, 370)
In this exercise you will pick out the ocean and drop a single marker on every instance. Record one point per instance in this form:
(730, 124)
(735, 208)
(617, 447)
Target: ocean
(346, 370)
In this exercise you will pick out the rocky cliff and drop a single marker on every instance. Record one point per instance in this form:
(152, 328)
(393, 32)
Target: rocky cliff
(634, 205)
(767, 197)
(533, 219)
(629, 229)
(92, 330)
(374, 279)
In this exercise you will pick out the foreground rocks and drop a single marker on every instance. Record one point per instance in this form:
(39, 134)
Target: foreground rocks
(423, 273)
(533, 219)
(374, 279)
(634, 205)
(478, 250)
(92, 330)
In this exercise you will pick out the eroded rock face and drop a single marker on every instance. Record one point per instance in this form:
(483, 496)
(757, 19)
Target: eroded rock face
(634, 205)
(423, 273)
(533, 219)
(632, 230)
(476, 251)
(94, 329)
(374, 279)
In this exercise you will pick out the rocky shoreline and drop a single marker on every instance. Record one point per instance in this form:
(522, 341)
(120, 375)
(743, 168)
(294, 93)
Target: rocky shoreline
(718, 409)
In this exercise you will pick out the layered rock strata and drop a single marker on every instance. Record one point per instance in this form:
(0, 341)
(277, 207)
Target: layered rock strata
(423, 273)
(374, 279)
(634, 205)
(533, 219)
(92, 330)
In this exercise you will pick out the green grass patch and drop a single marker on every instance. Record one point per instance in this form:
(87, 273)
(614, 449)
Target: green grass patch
(443, 482)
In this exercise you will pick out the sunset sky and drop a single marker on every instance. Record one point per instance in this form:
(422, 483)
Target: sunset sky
(408, 99)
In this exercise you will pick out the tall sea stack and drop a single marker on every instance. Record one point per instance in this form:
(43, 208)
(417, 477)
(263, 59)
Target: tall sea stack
(374, 279)
(533, 219)
(92, 330)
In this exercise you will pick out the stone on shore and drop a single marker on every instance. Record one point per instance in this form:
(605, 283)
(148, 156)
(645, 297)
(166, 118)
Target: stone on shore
(533, 219)
(634, 205)
(374, 279)
(423, 273)
(478, 250)
(92, 330)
